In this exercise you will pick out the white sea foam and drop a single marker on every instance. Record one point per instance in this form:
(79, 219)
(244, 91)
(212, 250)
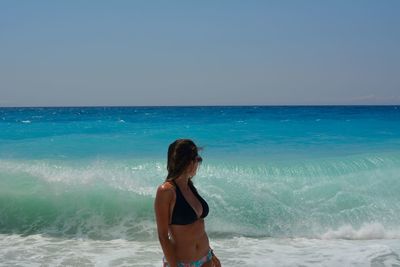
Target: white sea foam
(307, 252)
(365, 232)
(38, 250)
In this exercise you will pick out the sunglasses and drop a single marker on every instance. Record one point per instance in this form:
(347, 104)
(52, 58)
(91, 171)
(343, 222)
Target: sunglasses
(198, 159)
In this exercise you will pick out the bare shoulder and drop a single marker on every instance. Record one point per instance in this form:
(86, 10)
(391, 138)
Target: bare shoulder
(166, 187)
(166, 190)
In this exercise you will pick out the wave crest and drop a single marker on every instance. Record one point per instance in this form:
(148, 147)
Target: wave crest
(365, 232)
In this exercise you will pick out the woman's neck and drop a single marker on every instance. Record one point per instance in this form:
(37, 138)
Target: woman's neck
(182, 181)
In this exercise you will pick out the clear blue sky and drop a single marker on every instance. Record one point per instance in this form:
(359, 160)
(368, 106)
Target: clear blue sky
(74, 53)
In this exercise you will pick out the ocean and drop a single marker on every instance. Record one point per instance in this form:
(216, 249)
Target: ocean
(286, 185)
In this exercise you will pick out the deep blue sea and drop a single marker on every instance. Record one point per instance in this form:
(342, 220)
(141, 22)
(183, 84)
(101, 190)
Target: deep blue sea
(286, 185)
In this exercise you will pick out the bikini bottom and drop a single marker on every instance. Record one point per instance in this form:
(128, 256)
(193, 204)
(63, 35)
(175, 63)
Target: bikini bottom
(197, 263)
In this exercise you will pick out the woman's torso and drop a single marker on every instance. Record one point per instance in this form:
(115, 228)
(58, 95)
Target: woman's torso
(189, 238)
(190, 241)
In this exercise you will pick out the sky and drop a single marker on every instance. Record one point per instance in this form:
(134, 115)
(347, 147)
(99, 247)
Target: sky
(163, 53)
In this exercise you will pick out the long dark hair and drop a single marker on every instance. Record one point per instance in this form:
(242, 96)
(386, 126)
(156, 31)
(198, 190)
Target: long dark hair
(180, 154)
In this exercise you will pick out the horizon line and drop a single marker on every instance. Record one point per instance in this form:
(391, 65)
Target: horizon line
(185, 106)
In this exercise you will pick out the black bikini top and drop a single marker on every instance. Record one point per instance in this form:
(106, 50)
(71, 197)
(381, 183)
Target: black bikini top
(183, 213)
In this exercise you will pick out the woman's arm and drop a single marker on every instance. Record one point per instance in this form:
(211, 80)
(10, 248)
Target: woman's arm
(164, 197)
(215, 260)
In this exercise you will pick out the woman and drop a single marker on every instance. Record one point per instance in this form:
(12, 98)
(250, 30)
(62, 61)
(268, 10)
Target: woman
(180, 211)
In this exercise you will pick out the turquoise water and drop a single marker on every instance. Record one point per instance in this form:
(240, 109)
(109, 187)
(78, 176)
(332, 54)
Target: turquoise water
(271, 175)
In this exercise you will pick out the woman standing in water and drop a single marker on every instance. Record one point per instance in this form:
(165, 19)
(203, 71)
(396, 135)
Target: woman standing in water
(180, 211)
